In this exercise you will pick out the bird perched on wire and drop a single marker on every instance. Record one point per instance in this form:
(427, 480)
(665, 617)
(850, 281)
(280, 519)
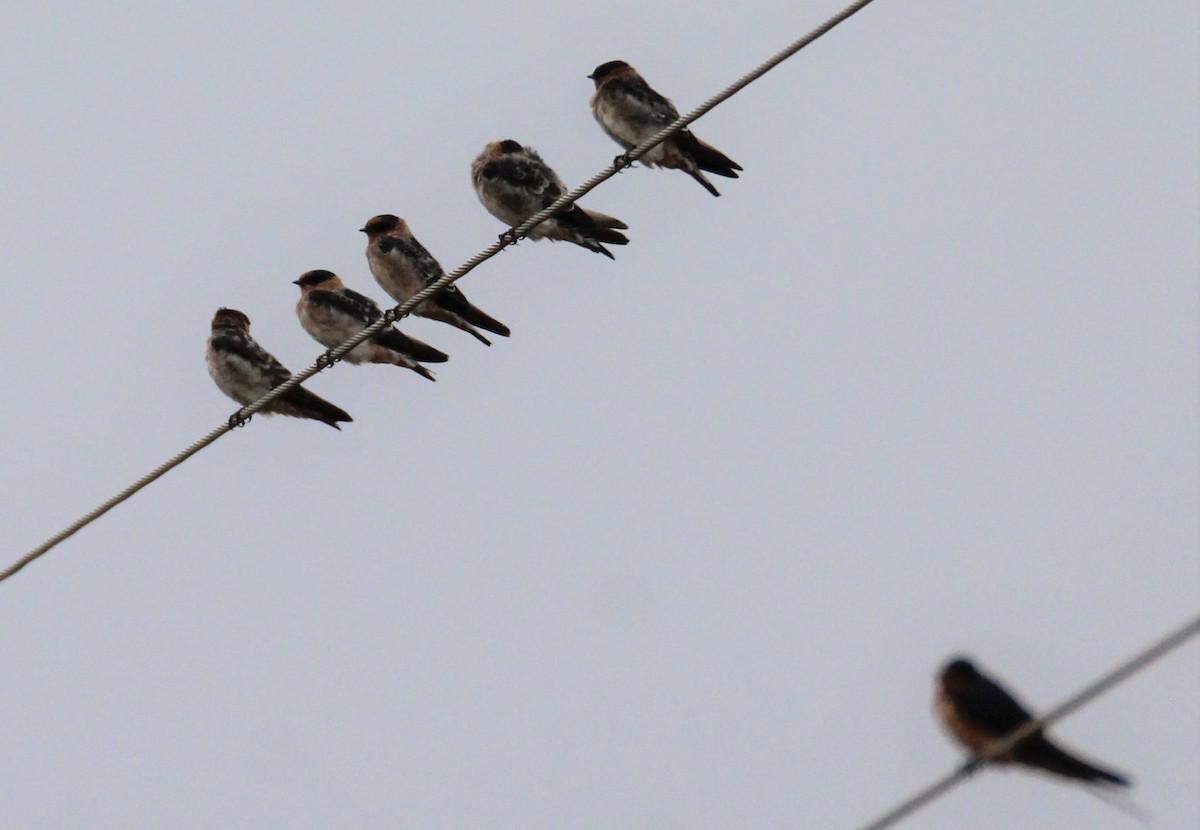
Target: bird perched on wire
(402, 267)
(630, 111)
(245, 371)
(513, 183)
(332, 314)
(977, 710)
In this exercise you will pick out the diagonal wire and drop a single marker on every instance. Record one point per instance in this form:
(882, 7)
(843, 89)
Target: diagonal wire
(510, 237)
(1002, 745)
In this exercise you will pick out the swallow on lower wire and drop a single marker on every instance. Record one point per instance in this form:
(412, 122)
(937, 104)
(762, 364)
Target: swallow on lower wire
(332, 314)
(630, 111)
(513, 183)
(977, 710)
(402, 267)
(245, 371)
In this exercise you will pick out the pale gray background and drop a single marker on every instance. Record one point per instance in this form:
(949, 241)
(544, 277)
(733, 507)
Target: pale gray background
(686, 551)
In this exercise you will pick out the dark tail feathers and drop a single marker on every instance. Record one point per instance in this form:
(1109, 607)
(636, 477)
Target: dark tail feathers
(1040, 752)
(300, 403)
(453, 301)
(422, 371)
(698, 176)
(711, 160)
(477, 317)
(611, 236)
(398, 341)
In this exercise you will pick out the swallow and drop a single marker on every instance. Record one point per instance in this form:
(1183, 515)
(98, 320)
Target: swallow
(402, 267)
(245, 371)
(976, 710)
(513, 183)
(332, 314)
(630, 111)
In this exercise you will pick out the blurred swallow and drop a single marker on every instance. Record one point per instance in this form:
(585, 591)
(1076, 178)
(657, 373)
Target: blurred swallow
(245, 371)
(630, 111)
(977, 710)
(513, 183)
(402, 267)
(332, 314)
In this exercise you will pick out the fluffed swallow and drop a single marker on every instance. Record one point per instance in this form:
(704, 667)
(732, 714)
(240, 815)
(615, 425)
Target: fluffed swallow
(332, 314)
(977, 710)
(513, 183)
(402, 267)
(245, 371)
(630, 111)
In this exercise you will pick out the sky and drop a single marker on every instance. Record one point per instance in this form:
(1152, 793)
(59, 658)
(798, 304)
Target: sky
(687, 550)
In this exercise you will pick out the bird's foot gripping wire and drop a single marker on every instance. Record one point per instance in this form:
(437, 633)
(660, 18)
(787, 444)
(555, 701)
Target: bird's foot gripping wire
(622, 162)
(238, 420)
(509, 237)
(973, 764)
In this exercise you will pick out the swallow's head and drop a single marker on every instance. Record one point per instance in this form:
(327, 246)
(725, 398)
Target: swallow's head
(496, 149)
(612, 69)
(384, 223)
(493, 151)
(319, 279)
(230, 318)
(959, 674)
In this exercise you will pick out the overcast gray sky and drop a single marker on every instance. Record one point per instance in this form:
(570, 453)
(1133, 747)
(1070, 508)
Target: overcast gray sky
(685, 551)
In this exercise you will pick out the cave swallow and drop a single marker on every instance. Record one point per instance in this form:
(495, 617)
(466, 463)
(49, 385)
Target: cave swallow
(976, 710)
(630, 111)
(402, 267)
(333, 313)
(245, 371)
(513, 183)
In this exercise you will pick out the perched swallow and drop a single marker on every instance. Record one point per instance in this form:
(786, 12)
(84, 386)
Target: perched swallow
(514, 183)
(332, 314)
(977, 710)
(630, 111)
(402, 267)
(245, 371)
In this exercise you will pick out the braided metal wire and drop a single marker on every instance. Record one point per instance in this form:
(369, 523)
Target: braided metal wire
(235, 420)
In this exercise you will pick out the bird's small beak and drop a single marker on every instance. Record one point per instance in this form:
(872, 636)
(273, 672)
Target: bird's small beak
(362, 230)
(592, 77)
(295, 282)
